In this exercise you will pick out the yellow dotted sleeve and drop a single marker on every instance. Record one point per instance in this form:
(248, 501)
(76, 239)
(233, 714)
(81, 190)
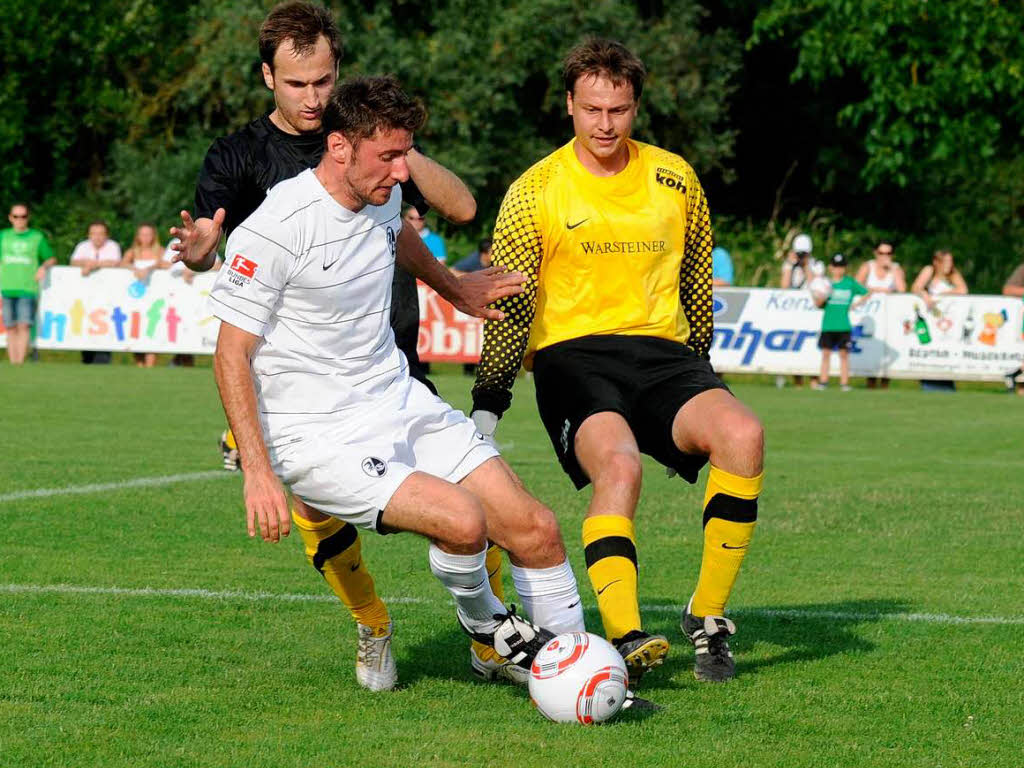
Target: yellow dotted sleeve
(695, 272)
(517, 246)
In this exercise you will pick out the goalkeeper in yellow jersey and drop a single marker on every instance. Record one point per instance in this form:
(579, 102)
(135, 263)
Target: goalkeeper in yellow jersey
(615, 241)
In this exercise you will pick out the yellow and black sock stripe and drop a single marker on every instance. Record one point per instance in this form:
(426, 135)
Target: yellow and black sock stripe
(609, 547)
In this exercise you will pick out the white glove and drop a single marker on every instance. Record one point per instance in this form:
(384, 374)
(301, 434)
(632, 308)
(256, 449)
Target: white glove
(486, 422)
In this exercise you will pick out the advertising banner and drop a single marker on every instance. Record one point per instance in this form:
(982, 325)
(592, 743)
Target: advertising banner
(112, 310)
(447, 335)
(757, 330)
(960, 337)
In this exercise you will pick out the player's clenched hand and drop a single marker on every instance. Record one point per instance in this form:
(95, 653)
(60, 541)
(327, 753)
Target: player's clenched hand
(266, 505)
(199, 238)
(478, 289)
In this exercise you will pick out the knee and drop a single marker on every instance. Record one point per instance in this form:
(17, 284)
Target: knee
(620, 469)
(538, 541)
(465, 530)
(746, 434)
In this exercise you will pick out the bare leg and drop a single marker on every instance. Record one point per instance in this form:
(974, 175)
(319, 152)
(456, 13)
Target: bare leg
(844, 367)
(826, 355)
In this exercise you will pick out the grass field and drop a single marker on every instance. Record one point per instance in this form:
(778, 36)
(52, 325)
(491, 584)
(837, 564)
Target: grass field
(879, 611)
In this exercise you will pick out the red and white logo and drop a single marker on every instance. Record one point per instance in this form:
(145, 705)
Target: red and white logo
(243, 266)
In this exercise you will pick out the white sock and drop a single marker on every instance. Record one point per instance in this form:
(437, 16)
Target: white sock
(550, 597)
(465, 576)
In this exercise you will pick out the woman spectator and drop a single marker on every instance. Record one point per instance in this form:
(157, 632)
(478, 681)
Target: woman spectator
(145, 255)
(882, 275)
(940, 278)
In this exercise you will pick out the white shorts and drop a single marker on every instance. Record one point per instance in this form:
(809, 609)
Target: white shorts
(352, 471)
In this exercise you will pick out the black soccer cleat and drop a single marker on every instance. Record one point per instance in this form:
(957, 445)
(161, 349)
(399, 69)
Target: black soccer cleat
(641, 651)
(516, 638)
(713, 662)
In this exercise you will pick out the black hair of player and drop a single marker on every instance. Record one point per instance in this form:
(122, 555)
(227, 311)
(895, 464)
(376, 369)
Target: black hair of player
(360, 106)
(301, 23)
(600, 57)
(484, 246)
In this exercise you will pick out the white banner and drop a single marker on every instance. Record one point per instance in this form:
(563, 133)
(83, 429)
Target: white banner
(112, 310)
(757, 330)
(764, 330)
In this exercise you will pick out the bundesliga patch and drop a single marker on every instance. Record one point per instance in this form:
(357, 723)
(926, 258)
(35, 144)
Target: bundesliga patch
(243, 270)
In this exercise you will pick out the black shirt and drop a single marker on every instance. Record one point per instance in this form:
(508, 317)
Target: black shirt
(240, 169)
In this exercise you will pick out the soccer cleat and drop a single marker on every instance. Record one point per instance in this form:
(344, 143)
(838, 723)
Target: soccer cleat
(375, 666)
(490, 667)
(232, 462)
(846, 388)
(713, 662)
(641, 652)
(516, 639)
(818, 385)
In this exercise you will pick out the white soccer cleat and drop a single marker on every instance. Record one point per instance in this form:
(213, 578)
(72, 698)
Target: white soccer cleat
(375, 666)
(491, 667)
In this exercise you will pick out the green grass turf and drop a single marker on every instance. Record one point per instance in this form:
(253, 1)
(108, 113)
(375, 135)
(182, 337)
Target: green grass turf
(876, 503)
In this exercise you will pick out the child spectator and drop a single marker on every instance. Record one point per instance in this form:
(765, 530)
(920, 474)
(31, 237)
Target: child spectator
(835, 323)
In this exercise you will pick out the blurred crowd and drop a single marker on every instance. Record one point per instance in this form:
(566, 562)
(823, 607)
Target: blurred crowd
(26, 255)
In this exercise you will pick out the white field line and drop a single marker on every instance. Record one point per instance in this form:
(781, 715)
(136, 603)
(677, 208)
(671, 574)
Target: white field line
(138, 482)
(285, 597)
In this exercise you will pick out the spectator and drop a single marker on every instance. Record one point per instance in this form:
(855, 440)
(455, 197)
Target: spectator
(800, 267)
(97, 251)
(835, 322)
(477, 260)
(146, 253)
(798, 270)
(1014, 286)
(25, 257)
(91, 254)
(940, 278)
(721, 267)
(433, 241)
(882, 275)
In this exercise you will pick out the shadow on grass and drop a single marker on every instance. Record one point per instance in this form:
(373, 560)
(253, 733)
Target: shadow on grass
(799, 633)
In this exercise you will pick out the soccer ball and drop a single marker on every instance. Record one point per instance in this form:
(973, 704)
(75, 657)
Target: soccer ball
(820, 288)
(578, 677)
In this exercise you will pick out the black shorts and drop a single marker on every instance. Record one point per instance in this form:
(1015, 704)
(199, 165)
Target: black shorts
(834, 340)
(645, 379)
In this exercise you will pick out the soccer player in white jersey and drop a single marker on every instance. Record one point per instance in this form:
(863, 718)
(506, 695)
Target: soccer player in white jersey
(320, 398)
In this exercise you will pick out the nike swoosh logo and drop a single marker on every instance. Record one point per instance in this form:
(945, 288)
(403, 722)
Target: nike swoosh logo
(602, 589)
(491, 574)
(726, 546)
(573, 605)
(356, 566)
(573, 226)
(328, 266)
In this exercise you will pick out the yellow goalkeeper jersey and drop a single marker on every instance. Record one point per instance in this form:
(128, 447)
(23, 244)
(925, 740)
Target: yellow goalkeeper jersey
(628, 254)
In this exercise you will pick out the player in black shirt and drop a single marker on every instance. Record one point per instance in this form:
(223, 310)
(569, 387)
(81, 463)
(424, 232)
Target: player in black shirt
(300, 49)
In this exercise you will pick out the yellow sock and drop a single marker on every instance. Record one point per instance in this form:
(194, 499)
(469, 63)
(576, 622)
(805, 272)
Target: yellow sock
(229, 440)
(610, 551)
(334, 549)
(493, 563)
(730, 514)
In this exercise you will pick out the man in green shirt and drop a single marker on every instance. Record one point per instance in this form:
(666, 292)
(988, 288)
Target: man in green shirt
(25, 255)
(835, 323)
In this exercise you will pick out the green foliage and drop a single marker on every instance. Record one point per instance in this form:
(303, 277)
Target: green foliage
(938, 109)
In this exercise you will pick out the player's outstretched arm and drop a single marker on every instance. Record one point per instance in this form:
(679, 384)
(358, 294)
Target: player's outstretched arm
(470, 293)
(265, 502)
(198, 240)
(445, 192)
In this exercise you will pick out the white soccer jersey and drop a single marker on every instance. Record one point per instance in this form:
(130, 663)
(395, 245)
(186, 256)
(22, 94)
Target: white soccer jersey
(314, 280)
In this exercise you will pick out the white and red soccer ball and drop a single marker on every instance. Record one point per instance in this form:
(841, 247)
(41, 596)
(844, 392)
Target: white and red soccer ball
(578, 677)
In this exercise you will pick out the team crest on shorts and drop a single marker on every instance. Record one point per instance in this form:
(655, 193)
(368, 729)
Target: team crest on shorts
(374, 467)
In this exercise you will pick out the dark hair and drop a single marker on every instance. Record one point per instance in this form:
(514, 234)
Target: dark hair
(599, 57)
(484, 245)
(880, 243)
(98, 223)
(19, 204)
(301, 23)
(360, 106)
